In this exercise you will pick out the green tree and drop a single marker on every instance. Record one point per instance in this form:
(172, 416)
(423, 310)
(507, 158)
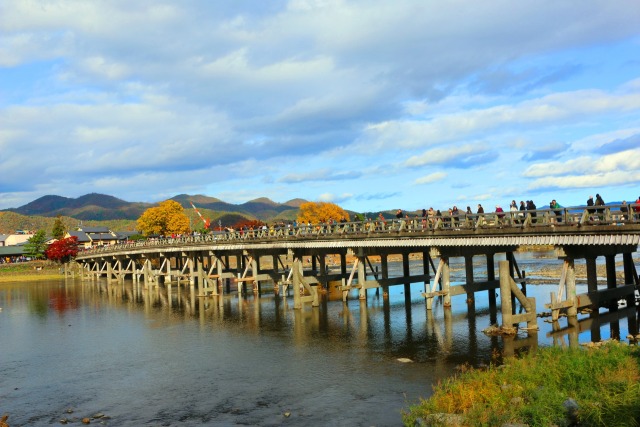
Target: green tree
(36, 245)
(58, 230)
(166, 219)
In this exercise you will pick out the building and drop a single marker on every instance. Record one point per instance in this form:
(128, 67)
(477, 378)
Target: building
(14, 239)
(90, 237)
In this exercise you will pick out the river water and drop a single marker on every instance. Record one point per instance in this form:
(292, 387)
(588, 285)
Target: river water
(70, 350)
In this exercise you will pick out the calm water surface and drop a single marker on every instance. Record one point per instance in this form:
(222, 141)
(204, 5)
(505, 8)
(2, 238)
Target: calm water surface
(149, 358)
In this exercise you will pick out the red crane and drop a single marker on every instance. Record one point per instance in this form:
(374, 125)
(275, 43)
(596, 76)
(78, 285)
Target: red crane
(206, 221)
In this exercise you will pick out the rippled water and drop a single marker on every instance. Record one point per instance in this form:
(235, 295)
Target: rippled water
(149, 358)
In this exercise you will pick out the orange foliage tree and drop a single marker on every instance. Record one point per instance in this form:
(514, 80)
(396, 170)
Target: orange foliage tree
(166, 219)
(316, 212)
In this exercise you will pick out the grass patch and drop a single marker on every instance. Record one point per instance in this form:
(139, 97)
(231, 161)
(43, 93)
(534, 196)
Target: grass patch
(533, 389)
(32, 270)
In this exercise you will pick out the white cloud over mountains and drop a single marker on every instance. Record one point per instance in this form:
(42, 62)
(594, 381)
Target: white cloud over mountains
(367, 99)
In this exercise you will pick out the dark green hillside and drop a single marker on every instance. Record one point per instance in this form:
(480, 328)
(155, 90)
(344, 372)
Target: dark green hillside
(261, 208)
(120, 215)
(99, 200)
(204, 202)
(199, 200)
(90, 207)
(43, 205)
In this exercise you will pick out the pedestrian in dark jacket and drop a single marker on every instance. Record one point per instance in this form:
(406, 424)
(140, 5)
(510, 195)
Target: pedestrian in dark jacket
(600, 202)
(523, 209)
(532, 207)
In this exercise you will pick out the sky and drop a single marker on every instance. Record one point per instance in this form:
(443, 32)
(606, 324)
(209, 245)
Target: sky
(373, 105)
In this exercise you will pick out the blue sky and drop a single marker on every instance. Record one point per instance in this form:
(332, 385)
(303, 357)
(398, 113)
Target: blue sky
(373, 105)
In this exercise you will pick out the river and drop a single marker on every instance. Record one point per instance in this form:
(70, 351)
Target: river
(70, 350)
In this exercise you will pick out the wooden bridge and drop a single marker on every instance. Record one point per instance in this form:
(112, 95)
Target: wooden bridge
(341, 257)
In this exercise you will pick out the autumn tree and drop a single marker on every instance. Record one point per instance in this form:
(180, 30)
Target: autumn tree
(166, 219)
(36, 245)
(63, 250)
(316, 212)
(57, 232)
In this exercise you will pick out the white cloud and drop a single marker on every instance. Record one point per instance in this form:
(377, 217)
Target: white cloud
(446, 154)
(628, 160)
(547, 110)
(289, 99)
(334, 198)
(431, 178)
(600, 180)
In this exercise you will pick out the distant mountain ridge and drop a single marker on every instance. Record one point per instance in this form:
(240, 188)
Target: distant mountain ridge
(101, 207)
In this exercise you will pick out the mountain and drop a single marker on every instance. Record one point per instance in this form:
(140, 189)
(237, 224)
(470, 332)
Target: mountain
(261, 208)
(43, 204)
(93, 206)
(102, 207)
(295, 203)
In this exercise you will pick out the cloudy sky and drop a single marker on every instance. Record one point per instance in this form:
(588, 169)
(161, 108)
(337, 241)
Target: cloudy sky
(373, 105)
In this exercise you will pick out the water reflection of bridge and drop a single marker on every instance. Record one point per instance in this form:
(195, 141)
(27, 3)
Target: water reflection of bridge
(442, 337)
(300, 258)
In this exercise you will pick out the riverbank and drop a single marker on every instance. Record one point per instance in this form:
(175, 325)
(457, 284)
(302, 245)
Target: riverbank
(29, 271)
(554, 386)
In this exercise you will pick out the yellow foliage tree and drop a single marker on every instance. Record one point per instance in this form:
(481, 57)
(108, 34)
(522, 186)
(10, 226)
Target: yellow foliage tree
(166, 219)
(316, 212)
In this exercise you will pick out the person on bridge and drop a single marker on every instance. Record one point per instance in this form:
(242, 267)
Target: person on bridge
(532, 207)
(637, 208)
(432, 217)
(513, 208)
(589, 208)
(600, 202)
(455, 213)
(557, 209)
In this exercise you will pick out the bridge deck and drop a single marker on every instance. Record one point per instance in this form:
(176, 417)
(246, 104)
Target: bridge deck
(553, 235)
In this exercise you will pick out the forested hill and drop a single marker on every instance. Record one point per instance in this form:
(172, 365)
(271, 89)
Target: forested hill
(102, 207)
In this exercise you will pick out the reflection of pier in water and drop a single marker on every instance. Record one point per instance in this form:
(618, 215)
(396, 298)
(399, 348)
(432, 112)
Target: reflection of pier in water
(203, 276)
(409, 331)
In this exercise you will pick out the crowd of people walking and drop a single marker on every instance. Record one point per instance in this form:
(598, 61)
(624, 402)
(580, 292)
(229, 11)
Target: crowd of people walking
(518, 212)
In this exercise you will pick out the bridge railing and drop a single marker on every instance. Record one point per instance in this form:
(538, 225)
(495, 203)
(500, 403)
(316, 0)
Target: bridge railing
(581, 216)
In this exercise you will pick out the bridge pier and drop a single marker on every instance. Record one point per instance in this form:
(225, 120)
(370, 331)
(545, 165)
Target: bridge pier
(211, 262)
(595, 298)
(508, 287)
